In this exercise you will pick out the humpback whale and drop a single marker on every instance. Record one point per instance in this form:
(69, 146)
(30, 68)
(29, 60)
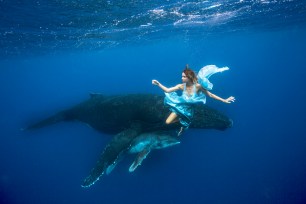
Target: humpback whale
(137, 123)
(144, 143)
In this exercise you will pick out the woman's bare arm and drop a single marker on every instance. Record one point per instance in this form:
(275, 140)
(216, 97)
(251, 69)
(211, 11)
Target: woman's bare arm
(165, 89)
(228, 100)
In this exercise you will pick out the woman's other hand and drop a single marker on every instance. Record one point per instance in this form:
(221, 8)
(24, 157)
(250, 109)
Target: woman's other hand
(230, 100)
(155, 82)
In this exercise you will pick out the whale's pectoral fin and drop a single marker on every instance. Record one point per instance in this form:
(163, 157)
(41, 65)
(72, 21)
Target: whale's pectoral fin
(139, 158)
(109, 158)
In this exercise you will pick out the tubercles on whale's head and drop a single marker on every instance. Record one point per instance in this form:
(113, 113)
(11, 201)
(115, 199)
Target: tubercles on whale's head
(205, 117)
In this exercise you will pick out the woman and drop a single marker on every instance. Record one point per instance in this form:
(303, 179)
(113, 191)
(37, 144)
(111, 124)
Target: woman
(195, 88)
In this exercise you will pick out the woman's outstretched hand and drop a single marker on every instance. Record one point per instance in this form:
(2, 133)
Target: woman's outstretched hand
(230, 100)
(155, 82)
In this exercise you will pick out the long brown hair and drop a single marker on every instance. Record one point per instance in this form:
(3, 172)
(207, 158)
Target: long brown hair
(190, 74)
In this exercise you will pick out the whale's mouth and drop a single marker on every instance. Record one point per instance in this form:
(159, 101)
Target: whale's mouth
(231, 123)
(224, 124)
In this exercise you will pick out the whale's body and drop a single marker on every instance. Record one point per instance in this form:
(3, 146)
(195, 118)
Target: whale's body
(137, 122)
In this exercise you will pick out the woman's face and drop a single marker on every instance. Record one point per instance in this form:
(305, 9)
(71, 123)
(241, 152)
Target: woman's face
(184, 78)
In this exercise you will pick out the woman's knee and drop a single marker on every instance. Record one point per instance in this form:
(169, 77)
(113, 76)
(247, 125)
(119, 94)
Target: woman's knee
(168, 121)
(171, 118)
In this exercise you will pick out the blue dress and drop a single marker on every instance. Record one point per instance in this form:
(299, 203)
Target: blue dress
(183, 105)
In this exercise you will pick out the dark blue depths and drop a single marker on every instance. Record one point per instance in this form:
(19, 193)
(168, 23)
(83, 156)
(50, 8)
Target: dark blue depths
(259, 160)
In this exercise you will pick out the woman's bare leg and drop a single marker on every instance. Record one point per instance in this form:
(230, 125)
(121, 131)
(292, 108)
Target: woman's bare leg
(181, 131)
(172, 118)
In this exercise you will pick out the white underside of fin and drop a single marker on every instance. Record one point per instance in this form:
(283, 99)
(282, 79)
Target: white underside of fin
(139, 158)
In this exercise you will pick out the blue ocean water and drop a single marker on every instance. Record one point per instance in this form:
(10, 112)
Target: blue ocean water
(54, 53)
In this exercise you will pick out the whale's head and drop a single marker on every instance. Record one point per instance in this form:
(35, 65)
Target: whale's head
(153, 140)
(205, 117)
(166, 140)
